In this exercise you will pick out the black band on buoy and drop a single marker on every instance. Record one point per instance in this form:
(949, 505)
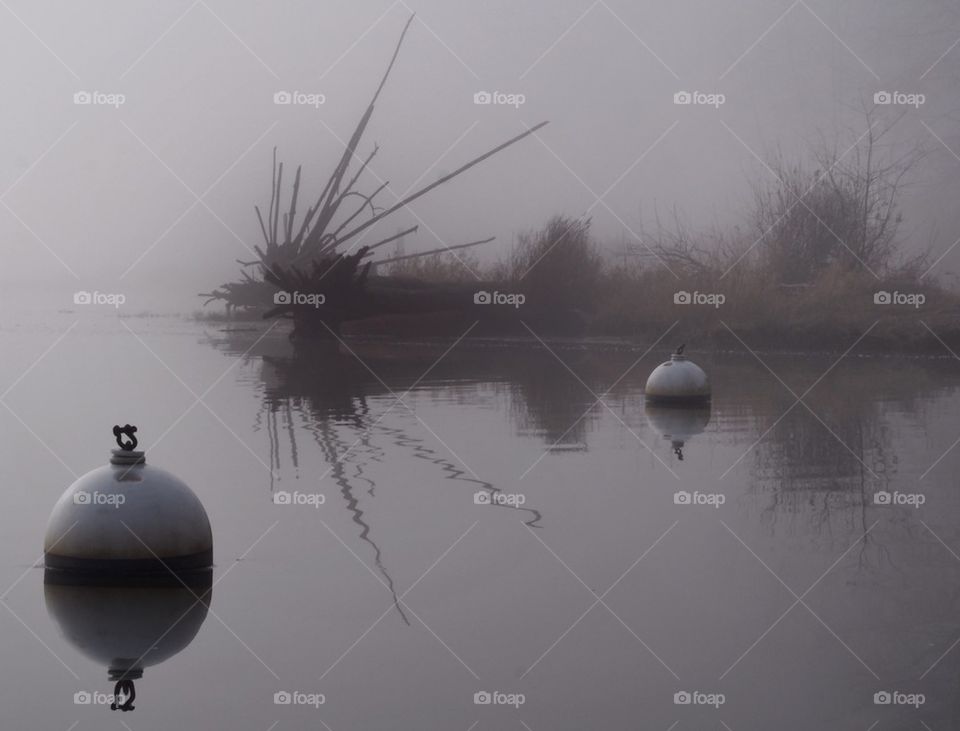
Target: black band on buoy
(192, 570)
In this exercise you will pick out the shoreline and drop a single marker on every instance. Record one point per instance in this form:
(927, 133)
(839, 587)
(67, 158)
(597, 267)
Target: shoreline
(704, 345)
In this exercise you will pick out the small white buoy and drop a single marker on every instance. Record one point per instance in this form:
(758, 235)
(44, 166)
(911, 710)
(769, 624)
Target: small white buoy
(678, 381)
(128, 521)
(126, 628)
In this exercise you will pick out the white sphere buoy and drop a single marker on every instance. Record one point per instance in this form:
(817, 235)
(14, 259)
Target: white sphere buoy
(128, 521)
(127, 628)
(678, 381)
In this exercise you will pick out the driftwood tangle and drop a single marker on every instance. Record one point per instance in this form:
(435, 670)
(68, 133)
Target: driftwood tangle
(320, 253)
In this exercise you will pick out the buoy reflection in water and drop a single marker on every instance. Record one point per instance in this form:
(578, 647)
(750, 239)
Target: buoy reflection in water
(127, 628)
(678, 424)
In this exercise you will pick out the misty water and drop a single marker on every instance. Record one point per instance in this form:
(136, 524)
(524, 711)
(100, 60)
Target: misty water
(782, 592)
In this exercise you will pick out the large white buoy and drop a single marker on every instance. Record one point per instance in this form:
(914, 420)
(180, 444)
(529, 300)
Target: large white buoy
(678, 381)
(128, 521)
(126, 628)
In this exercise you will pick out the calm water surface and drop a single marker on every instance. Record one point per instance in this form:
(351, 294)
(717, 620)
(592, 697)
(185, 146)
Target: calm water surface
(593, 593)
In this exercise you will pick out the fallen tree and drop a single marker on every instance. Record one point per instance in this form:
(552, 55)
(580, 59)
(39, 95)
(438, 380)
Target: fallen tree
(312, 255)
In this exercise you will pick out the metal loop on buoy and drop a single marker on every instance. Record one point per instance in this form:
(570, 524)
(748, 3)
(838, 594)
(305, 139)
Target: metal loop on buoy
(124, 688)
(127, 454)
(126, 430)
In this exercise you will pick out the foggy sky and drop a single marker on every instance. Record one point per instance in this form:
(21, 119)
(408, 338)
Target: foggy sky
(101, 197)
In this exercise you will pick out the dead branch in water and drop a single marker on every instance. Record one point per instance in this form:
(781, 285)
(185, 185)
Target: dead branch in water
(317, 254)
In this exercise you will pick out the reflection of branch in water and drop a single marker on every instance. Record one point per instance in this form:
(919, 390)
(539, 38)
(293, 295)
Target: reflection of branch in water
(274, 446)
(273, 437)
(288, 412)
(329, 396)
(863, 563)
(452, 472)
(333, 449)
(271, 442)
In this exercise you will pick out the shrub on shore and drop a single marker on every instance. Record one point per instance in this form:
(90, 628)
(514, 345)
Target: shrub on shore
(818, 261)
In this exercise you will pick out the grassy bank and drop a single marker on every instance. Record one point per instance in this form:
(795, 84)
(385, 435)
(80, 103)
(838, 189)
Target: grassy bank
(729, 313)
(818, 261)
(716, 302)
